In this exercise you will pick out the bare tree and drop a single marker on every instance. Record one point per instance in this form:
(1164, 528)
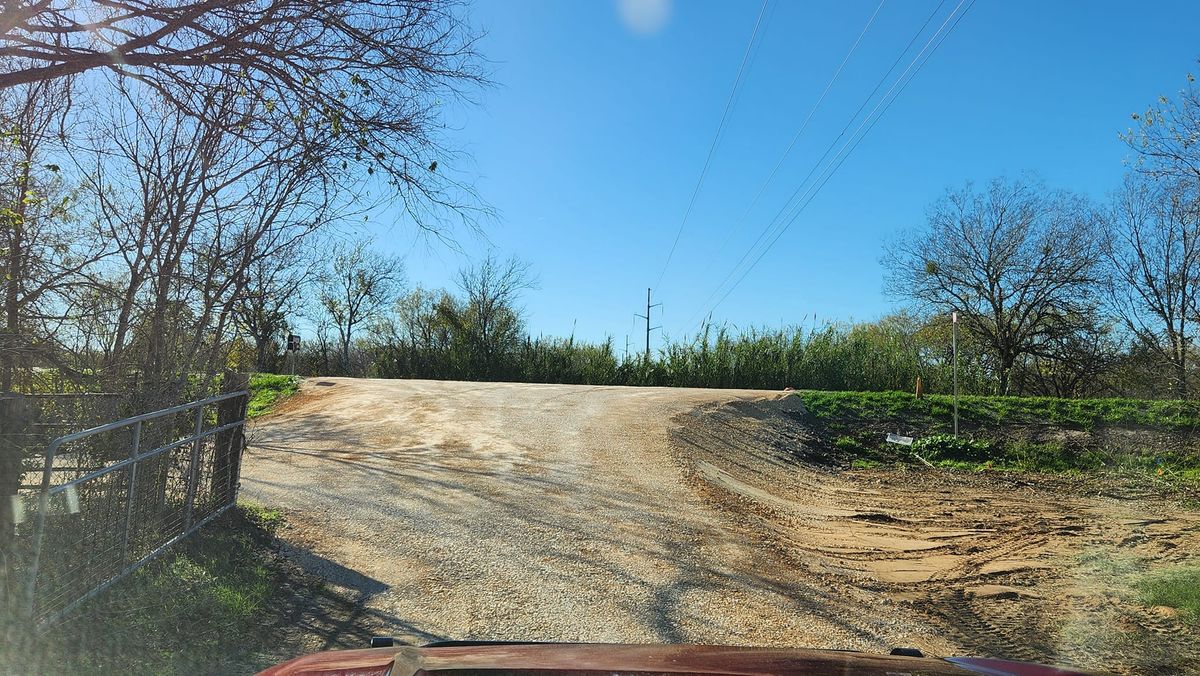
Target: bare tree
(45, 258)
(1015, 259)
(490, 319)
(192, 209)
(371, 75)
(1154, 245)
(272, 291)
(1167, 136)
(1153, 256)
(1071, 364)
(359, 285)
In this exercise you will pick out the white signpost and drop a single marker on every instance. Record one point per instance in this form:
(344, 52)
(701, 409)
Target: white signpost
(954, 349)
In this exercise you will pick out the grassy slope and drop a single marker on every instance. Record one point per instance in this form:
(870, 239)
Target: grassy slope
(267, 390)
(937, 410)
(199, 608)
(1016, 433)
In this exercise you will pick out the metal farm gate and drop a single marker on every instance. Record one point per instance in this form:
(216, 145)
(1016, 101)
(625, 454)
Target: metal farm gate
(111, 498)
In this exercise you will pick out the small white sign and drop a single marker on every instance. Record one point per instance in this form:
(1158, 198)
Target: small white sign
(72, 499)
(894, 438)
(18, 509)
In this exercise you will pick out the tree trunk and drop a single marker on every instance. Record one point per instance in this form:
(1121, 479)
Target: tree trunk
(264, 360)
(1181, 388)
(1004, 374)
(12, 295)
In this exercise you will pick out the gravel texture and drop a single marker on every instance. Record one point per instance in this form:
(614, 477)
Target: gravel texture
(611, 514)
(533, 512)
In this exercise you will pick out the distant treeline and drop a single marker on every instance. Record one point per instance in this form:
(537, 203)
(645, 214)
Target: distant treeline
(889, 354)
(876, 356)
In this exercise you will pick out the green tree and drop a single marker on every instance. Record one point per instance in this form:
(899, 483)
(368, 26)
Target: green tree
(359, 285)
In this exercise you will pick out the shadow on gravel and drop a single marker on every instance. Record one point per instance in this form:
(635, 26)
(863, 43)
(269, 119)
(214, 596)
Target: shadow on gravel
(333, 572)
(653, 553)
(323, 607)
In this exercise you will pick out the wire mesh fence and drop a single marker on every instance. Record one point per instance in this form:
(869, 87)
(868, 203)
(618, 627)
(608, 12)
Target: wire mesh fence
(108, 499)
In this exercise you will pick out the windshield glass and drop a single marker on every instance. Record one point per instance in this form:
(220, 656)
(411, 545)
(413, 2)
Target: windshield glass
(851, 326)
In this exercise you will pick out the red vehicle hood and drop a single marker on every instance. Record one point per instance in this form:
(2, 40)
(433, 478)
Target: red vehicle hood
(589, 659)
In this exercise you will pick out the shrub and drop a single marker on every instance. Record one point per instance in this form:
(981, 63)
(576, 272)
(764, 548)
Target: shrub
(1179, 589)
(848, 445)
(946, 447)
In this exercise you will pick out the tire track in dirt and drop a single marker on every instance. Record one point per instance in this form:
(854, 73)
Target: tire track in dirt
(999, 565)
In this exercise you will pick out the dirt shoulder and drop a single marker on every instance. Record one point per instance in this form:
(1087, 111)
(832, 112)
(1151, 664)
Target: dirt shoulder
(1034, 567)
(573, 513)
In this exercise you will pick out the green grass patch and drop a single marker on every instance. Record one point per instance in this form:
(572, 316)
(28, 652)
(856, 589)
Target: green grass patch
(1177, 588)
(848, 444)
(267, 390)
(938, 410)
(1026, 434)
(203, 607)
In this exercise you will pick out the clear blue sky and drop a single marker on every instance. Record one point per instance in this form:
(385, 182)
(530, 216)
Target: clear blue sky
(592, 140)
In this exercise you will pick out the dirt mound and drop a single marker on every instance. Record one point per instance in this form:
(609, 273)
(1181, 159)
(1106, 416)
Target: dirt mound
(1004, 565)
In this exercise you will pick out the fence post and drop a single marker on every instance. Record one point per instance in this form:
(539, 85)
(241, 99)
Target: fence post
(16, 417)
(131, 493)
(193, 470)
(230, 443)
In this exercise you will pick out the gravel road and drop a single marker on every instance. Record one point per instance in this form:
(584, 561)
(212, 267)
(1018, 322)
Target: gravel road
(611, 514)
(539, 512)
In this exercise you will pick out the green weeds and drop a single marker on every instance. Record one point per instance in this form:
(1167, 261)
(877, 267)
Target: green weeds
(1023, 434)
(197, 609)
(936, 411)
(267, 390)
(1177, 588)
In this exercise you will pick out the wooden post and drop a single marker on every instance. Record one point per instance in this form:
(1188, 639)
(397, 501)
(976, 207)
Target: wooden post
(16, 417)
(229, 444)
(954, 349)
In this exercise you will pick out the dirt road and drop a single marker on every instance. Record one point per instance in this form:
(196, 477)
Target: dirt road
(571, 513)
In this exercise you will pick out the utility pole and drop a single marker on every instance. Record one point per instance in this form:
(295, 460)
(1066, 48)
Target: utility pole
(647, 318)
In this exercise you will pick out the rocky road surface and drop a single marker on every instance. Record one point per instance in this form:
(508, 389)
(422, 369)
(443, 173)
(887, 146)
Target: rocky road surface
(610, 514)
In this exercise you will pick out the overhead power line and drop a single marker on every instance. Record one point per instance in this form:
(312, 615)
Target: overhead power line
(716, 140)
(780, 226)
(774, 219)
(808, 118)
